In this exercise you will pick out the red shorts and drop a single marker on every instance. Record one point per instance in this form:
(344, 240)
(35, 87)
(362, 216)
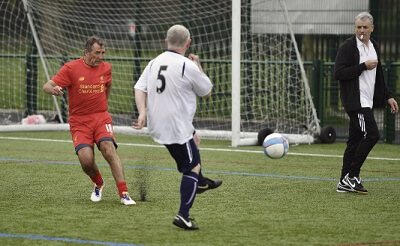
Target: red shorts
(91, 128)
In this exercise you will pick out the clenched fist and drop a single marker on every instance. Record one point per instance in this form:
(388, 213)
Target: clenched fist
(371, 64)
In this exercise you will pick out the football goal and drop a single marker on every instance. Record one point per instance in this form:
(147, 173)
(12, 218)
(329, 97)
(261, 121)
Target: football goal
(246, 47)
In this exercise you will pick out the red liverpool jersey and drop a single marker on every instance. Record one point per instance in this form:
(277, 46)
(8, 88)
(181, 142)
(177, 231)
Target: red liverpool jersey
(85, 85)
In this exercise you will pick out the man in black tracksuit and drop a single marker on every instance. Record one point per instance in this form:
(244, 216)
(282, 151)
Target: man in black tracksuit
(362, 87)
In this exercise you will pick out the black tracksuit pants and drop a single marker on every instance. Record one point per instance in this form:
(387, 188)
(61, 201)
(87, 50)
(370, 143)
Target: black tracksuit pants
(363, 135)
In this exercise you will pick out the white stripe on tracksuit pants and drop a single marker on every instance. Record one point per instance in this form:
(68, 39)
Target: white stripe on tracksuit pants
(363, 135)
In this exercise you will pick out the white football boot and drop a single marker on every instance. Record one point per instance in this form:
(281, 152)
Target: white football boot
(126, 199)
(97, 193)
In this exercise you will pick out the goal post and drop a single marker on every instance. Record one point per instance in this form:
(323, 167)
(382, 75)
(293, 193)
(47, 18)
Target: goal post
(276, 91)
(236, 61)
(246, 47)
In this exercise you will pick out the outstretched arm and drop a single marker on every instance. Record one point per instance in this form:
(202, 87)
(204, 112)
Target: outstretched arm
(140, 99)
(51, 88)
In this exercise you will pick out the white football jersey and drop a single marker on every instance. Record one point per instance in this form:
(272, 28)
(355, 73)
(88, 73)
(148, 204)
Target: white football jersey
(172, 83)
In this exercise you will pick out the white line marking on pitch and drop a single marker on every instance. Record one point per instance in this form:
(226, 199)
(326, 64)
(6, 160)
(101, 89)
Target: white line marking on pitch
(208, 149)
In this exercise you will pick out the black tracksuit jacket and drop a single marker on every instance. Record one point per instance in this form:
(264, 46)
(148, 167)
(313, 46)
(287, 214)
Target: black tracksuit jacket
(348, 70)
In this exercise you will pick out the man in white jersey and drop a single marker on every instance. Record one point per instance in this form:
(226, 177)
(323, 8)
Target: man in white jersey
(169, 86)
(362, 87)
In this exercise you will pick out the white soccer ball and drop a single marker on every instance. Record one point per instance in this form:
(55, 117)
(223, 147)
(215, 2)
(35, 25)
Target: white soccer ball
(275, 145)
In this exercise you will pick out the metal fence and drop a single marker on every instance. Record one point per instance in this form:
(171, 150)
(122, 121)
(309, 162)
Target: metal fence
(326, 96)
(324, 90)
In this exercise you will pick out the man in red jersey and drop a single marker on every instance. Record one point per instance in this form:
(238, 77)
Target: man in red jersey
(88, 82)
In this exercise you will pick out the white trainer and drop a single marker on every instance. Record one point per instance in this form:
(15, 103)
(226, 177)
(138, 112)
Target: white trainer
(127, 200)
(97, 193)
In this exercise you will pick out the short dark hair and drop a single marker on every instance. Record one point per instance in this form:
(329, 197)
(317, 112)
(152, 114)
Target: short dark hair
(94, 40)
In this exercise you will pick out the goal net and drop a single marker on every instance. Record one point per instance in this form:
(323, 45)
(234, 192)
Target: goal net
(246, 47)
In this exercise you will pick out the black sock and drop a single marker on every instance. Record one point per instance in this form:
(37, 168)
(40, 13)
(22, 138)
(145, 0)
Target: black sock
(188, 192)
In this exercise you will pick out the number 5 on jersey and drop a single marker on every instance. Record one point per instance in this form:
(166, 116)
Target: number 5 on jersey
(162, 79)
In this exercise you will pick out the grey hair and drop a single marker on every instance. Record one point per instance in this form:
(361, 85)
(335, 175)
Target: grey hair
(178, 36)
(365, 15)
(94, 40)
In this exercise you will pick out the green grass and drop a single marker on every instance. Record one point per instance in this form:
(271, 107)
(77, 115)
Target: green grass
(290, 201)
